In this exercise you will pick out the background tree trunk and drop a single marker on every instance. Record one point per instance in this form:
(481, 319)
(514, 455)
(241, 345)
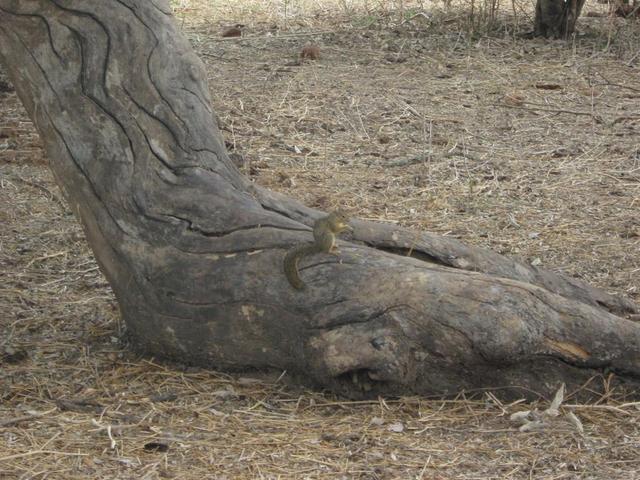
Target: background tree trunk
(557, 18)
(194, 251)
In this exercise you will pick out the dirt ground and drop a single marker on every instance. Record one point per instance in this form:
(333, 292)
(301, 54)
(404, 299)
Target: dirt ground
(415, 113)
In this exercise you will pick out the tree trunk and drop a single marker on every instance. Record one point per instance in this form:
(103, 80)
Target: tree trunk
(194, 251)
(557, 18)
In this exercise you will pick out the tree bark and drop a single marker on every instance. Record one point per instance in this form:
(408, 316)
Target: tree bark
(194, 251)
(557, 18)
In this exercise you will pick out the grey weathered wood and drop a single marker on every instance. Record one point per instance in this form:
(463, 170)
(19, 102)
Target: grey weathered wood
(194, 251)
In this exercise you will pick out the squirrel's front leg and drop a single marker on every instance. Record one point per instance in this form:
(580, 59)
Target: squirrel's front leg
(333, 250)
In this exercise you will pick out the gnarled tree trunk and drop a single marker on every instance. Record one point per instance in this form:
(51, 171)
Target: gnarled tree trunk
(194, 251)
(557, 18)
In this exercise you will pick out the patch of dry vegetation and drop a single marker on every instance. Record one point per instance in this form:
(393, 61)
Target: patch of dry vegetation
(433, 121)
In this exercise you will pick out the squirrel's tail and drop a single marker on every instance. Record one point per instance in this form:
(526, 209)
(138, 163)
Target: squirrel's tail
(291, 260)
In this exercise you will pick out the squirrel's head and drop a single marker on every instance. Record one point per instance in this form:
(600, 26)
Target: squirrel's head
(339, 220)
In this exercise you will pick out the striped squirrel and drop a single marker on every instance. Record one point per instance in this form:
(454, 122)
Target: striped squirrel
(325, 230)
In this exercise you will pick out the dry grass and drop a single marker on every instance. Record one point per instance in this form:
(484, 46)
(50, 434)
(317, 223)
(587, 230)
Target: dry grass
(528, 147)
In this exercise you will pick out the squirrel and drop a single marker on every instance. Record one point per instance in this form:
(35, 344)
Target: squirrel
(325, 230)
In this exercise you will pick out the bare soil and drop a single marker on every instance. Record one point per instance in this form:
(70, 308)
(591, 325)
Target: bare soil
(423, 115)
